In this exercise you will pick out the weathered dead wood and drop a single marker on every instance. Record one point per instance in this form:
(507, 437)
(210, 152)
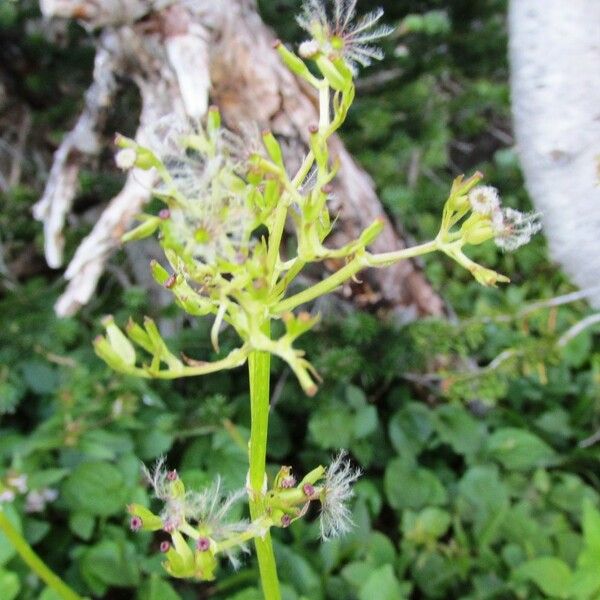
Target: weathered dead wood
(176, 55)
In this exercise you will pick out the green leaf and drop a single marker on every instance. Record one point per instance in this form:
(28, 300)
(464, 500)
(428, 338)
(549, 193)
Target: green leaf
(49, 594)
(517, 449)
(332, 426)
(436, 575)
(110, 563)
(482, 500)
(457, 428)
(365, 421)
(550, 574)
(82, 524)
(585, 584)
(578, 350)
(356, 573)
(9, 585)
(379, 549)
(295, 569)
(590, 557)
(40, 377)
(410, 428)
(409, 486)
(96, 488)
(156, 588)
(154, 442)
(381, 584)
(426, 526)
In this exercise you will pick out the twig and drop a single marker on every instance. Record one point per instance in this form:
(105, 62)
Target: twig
(19, 150)
(576, 329)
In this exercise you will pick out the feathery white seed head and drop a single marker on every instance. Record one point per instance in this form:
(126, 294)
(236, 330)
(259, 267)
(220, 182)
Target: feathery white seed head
(125, 158)
(210, 215)
(484, 199)
(513, 228)
(339, 35)
(336, 518)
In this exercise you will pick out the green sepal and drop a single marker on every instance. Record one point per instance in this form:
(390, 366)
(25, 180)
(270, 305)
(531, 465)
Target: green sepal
(180, 561)
(296, 325)
(144, 230)
(160, 350)
(335, 78)
(295, 64)
(177, 489)
(213, 122)
(318, 145)
(371, 232)
(119, 342)
(476, 230)
(145, 158)
(272, 147)
(139, 335)
(313, 476)
(150, 521)
(160, 274)
(106, 352)
(206, 563)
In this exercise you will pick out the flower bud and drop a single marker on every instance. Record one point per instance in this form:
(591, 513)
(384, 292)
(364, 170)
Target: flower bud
(119, 342)
(332, 73)
(294, 64)
(309, 490)
(308, 49)
(125, 158)
(144, 230)
(203, 544)
(142, 518)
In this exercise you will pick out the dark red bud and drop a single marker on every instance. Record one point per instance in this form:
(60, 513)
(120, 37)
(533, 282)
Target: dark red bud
(135, 523)
(313, 128)
(308, 490)
(288, 482)
(165, 547)
(286, 520)
(203, 544)
(172, 475)
(170, 282)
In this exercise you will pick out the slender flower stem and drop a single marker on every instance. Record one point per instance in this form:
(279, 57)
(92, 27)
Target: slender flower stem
(358, 263)
(259, 365)
(34, 562)
(275, 238)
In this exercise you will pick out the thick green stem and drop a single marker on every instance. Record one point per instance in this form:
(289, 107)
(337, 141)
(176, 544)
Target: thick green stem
(34, 562)
(259, 365)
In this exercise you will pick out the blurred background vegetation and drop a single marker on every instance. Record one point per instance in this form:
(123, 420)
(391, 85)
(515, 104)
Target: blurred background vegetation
(476, 434)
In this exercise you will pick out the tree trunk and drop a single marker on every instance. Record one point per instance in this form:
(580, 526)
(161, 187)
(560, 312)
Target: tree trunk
(555, 68)
(180, 57)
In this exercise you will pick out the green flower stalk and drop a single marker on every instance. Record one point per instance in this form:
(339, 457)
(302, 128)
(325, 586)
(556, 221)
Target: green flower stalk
(221, 230)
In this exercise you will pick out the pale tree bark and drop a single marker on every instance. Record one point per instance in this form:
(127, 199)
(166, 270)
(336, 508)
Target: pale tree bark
(181, 55)
(555, 77)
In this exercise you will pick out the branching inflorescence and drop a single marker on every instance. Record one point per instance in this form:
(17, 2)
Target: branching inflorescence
(221, 231)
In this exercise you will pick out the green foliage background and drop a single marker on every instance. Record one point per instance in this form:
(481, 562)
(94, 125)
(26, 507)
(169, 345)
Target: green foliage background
(476, 485)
